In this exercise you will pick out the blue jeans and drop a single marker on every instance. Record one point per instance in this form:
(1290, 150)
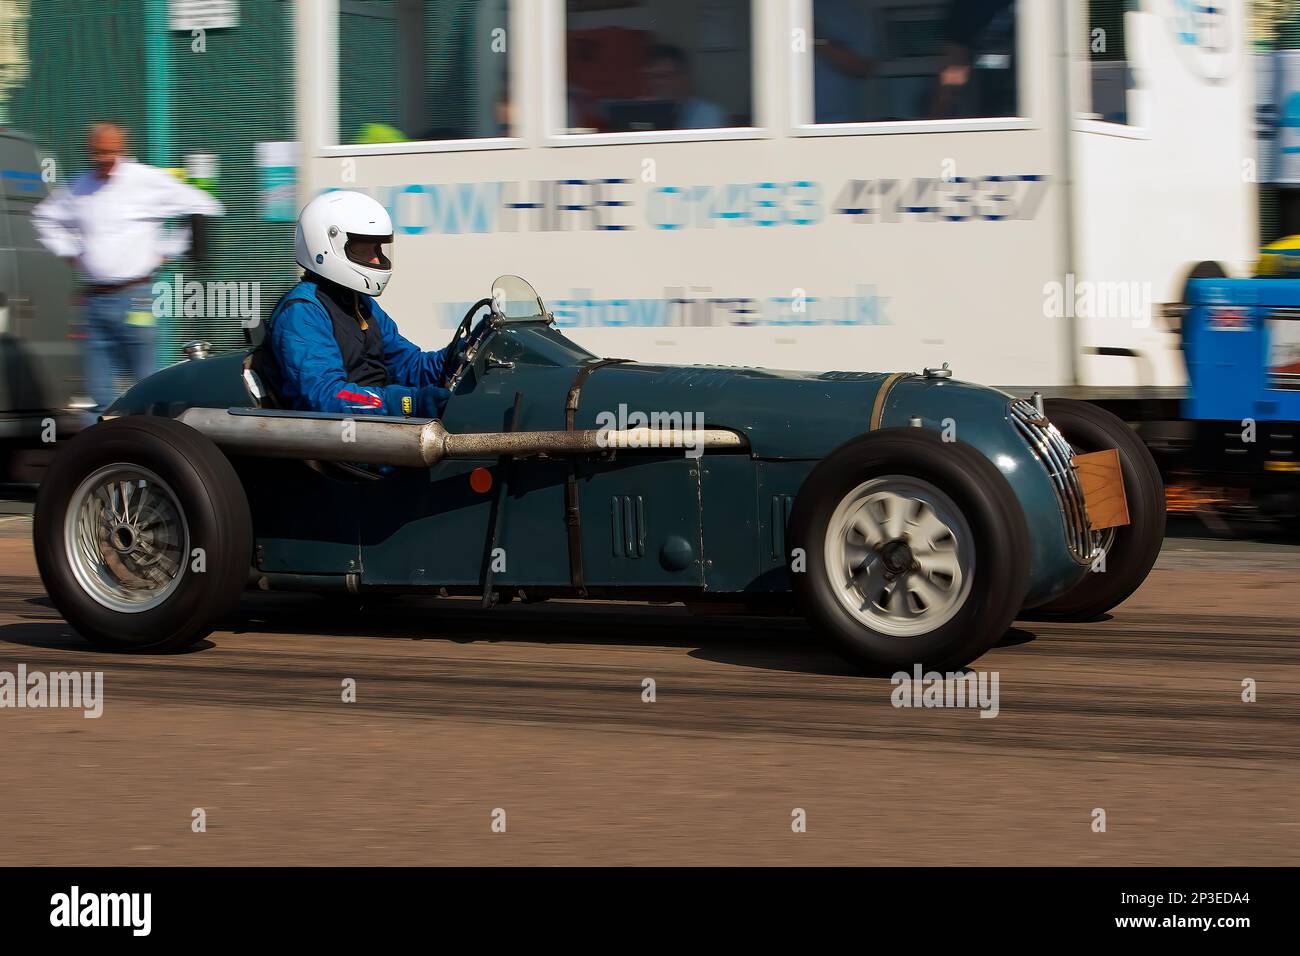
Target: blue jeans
(120, 330)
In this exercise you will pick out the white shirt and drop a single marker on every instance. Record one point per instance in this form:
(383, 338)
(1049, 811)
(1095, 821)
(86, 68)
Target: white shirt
(114, 227)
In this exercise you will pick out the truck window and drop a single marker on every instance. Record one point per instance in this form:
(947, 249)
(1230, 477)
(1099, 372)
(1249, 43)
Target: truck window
(884, 61)
(422, 71)
(657, 65)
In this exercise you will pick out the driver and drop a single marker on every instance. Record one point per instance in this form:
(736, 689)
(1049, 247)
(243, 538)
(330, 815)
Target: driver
(336, 349)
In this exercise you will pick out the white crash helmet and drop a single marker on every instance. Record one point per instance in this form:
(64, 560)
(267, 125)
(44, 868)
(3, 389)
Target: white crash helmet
(328, 224)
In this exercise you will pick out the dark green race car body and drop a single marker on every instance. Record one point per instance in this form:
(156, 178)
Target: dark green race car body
(649, 520)
(911, 516)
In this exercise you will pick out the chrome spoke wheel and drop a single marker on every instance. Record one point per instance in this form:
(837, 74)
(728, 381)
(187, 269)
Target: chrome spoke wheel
(900, 555)
(126, 538)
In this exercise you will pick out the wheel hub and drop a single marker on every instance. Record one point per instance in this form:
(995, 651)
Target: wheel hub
(896, 556)
(126, 538)
(123, 538)
(900, 555)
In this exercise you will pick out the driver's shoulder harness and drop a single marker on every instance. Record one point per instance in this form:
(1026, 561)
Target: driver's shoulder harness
(359, 339)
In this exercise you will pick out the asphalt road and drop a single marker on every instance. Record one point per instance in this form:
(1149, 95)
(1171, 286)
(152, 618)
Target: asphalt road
(536, 715)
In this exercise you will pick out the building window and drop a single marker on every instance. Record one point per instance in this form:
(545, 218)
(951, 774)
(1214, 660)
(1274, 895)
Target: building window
(880, 61)
(421, 70)
(646, 65)
(1110, 73)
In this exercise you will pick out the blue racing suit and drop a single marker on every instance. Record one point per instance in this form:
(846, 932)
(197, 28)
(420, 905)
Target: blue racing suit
(331, 362)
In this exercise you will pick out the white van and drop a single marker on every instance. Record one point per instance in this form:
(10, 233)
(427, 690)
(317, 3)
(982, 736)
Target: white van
(1018, 188)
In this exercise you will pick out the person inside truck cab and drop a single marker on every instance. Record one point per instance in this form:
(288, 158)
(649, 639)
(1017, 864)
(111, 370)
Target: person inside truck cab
(335, 349)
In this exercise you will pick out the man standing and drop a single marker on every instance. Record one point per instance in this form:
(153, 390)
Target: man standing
(108, 224)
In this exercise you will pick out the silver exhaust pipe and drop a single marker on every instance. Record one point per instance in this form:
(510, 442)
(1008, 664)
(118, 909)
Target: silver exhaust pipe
(419, 443)
(378, 441)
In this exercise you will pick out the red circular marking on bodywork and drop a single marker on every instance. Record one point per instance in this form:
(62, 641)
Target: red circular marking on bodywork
(480, 479)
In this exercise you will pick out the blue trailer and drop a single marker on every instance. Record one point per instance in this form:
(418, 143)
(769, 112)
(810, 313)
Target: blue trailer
(1241, 338)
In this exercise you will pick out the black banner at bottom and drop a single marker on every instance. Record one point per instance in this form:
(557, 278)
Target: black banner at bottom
(249, 904)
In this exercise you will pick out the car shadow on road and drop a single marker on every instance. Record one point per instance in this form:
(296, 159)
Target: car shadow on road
(1015, 637)
(43, 633)
(782, 644)
(810, 656)
(56, 635)
(774, 643)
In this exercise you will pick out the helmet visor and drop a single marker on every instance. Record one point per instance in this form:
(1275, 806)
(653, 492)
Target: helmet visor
(369, 251)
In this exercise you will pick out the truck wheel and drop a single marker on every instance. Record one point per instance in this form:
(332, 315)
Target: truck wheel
(1130, 550)
(142, 534)
(915, 551)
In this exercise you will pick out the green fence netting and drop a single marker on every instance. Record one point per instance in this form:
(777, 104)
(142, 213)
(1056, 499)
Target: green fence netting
(86, 61)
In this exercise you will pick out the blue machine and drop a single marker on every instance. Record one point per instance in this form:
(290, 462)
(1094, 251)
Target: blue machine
(1241, 338)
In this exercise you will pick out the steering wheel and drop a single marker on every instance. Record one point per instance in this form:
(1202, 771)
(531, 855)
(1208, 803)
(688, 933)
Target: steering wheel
(460, 346)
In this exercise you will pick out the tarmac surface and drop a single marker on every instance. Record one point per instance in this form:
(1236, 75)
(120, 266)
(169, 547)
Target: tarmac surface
(536, 717)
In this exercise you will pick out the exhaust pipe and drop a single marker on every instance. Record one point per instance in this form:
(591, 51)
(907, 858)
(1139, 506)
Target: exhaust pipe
(420, 443)
(377, 441)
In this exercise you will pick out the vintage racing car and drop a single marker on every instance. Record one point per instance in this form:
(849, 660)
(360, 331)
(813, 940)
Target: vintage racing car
(912, 516)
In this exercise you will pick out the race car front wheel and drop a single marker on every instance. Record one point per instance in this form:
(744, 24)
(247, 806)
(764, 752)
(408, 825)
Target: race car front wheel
(1129, 551)
(907, 549)
(142, 534)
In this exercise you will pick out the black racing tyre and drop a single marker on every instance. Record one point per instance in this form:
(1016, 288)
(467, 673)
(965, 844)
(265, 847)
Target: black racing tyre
(914, 550)
(1130, 550)
(142, 534)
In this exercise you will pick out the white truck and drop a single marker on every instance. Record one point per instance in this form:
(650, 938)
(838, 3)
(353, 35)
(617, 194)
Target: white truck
(1018, 188)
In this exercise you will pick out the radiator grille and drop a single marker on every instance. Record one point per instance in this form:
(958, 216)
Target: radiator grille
(1055, 454)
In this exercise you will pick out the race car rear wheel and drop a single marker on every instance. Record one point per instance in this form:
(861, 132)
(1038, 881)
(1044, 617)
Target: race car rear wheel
(142, 534)
(1129, 551)
(908, 550)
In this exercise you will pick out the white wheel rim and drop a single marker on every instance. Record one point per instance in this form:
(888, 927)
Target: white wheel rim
(900, 556)
(126, 538)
